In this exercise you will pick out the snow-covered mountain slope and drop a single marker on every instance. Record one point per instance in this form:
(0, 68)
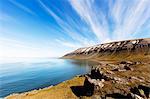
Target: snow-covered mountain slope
(128, 49)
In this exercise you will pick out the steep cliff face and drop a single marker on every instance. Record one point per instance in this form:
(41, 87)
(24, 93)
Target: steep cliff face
(127, 49)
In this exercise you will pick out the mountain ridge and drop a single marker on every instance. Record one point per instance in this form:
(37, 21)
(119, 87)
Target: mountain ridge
(127, 49)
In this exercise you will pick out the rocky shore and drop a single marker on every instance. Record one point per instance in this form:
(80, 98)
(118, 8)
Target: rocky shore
(125, 79)
(123, 73)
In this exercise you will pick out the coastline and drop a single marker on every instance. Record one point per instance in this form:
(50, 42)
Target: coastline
(122, 79)
(60, 91)
(123, 71)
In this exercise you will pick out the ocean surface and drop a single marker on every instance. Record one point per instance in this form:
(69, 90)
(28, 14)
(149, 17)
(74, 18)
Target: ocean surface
(21, 75)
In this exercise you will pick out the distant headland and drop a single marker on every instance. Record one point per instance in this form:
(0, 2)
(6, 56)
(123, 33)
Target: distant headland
(123, 72)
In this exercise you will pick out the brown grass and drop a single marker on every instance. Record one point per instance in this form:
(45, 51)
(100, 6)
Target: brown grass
(61, 91)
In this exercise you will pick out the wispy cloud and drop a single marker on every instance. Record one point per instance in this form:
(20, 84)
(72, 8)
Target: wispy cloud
(16, 48)
(68, 27)
(96, 20)
(7, 18)
(26, 9)
(128, 17)
(72, 24)
(68, 44)
(19, 48)
(15, 43)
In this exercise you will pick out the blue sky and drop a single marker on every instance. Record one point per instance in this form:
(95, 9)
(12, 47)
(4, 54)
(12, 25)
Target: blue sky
(49, 28)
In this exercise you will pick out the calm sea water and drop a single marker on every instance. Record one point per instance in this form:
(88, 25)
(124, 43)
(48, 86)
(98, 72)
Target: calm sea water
(21, 76)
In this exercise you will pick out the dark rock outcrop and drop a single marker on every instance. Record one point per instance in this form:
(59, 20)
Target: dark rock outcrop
(105, 82)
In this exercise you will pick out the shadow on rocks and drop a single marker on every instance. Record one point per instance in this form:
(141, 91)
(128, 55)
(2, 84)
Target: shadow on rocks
(86, 90)
(117, 96)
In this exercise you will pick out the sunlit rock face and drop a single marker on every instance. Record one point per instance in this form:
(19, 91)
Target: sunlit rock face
(120, 80)
(114, 50)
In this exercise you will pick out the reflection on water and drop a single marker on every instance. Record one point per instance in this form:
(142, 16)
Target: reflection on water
(23, 76)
